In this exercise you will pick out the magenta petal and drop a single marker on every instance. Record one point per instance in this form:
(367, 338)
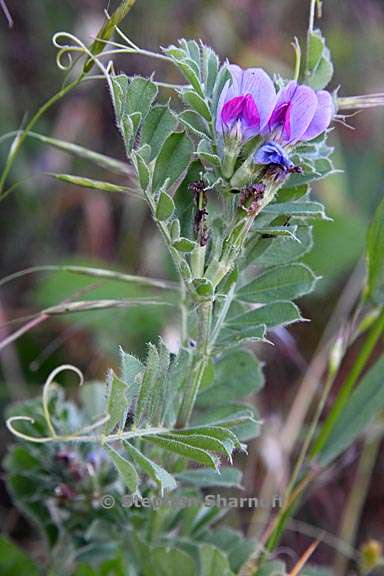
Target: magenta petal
(232, 109)
(283, 100)
(300, 112)
(322, 117)
(259, 85)
(251, 113)
(231, 90)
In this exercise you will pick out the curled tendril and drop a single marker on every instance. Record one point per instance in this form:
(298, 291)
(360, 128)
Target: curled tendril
(9, 424)
(80, 435)
(67, 44)
(65, 50)
(46, 391)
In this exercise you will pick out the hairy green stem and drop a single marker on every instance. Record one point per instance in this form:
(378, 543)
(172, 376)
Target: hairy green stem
(200, 363)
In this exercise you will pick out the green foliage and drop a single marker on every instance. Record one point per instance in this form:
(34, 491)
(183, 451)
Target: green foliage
(310, 210)
(366, 402)
(214, 562)
(166, 414)
(237, 374)
(133, 99)
(125, 468)
(208, 478)
(14, 562)
(375, 260)
(281, 250)
(172, 161)
(319, 64)
(162, 478)
(158, 125)
(165, 206)
(283, 283)
(270, 315)
(108, 29)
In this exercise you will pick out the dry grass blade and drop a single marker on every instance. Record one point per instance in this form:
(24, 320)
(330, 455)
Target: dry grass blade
(304, 559)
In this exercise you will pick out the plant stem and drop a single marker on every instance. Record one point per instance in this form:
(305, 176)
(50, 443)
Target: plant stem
(295, 491)
(311, 433)
(342, 398)
(311, 25)
(200, 362)
(356, 499)
(19, 141)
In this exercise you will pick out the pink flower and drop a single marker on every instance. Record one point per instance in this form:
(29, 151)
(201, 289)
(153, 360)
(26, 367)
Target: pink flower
(246, 102)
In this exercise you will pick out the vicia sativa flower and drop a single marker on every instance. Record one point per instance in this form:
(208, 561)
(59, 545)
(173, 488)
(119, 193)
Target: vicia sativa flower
(249, 106)
(246, 102)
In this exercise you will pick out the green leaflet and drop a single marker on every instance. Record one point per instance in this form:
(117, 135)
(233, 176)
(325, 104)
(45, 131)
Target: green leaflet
(198, 103)
(165, 207)
(187, 58)
(237, 548)
(275, 314)
(240, 418)
(375, 257)
(161, 392)
(185, 450)
(281, 283)
(167, 561)
(203, 442)
(131, 368)
(133, 99)
(173, 160)
(184, 245)
(125, 469)
(366, 402)
(237, 374)
(319, 65)
(281, 250)
(229, 477)
(154, 471)
(214, 562)
(148, 383)
(117, 402)
(141, 169)
(232, 337)
(157, 126)
(210, 67)
(274, 231)
(193, 122)
(308, 209)
(292, 193)
(205, 153)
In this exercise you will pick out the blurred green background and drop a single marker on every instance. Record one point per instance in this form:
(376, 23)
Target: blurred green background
(45, 222)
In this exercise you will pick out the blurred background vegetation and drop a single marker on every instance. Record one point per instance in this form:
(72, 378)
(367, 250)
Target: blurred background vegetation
(45, 222)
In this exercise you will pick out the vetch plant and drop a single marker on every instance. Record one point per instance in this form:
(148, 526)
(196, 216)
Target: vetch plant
(226, 175)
